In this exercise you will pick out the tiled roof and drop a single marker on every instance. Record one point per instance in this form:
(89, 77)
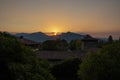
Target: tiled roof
(26, 41)
(60, 54)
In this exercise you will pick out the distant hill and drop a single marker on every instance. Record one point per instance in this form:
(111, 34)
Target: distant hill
(71, 36)
(37, 36)
(41, 37)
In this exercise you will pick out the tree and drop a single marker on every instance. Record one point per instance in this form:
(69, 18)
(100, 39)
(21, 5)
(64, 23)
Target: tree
(49, 45)
(55, 45)
(61, 44)
(75, 45)
(72, 45)
(110, 39)
(103, 65)
(78, 44)
(18, 62)
(66, 70)
(119, 39)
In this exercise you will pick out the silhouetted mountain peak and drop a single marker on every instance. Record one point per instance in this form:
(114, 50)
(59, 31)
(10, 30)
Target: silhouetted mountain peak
(37, 33)
(41, 37)
(71, 36)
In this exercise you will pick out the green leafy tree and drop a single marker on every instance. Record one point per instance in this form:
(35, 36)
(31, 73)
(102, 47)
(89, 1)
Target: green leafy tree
(55, 45)
(78, 44)
(75, 45)
(66, 70)
(103, 65)
(18, 62)
(49, 45)
(110, 39)
(72, 45)
(61, 44)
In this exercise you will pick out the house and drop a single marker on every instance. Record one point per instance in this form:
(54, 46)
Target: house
(27, 42)
(89, 42)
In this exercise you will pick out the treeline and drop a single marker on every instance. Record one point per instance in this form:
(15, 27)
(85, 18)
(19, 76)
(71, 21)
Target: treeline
(61, 45)
(78, 44)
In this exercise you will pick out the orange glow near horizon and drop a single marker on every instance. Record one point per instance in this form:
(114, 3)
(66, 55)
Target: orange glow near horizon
(54, 28)
(56, 16)
(53, 33)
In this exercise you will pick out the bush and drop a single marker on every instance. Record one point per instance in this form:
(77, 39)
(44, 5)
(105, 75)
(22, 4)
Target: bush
(67, 70)
(75, 45)
(18, 62)
(103, 65)
(55, 45)
(49, 45)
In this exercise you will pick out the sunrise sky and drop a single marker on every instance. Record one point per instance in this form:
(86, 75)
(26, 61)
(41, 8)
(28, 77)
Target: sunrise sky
(98, 17)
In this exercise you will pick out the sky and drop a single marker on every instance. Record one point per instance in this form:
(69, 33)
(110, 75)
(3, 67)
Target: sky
(97, 17)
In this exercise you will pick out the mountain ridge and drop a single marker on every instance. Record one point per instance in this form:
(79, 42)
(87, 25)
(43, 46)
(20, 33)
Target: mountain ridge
(41, 37)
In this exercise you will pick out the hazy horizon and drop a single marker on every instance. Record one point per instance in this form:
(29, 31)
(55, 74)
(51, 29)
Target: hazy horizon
(115, 35)
(99, 18)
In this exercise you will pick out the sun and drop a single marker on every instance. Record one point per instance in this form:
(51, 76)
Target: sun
(55, 33)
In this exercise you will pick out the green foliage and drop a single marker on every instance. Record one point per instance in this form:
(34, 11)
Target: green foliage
(110, 39)
(103, 65)
(18, 62)
(75, 45)
(55, 45)
(67, 69)
(49, 45)
(61, 44)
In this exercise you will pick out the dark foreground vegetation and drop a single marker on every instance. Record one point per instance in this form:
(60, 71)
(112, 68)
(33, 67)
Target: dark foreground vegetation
(102, 65)
(61, 45)
(18, 62)
(66, 70)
